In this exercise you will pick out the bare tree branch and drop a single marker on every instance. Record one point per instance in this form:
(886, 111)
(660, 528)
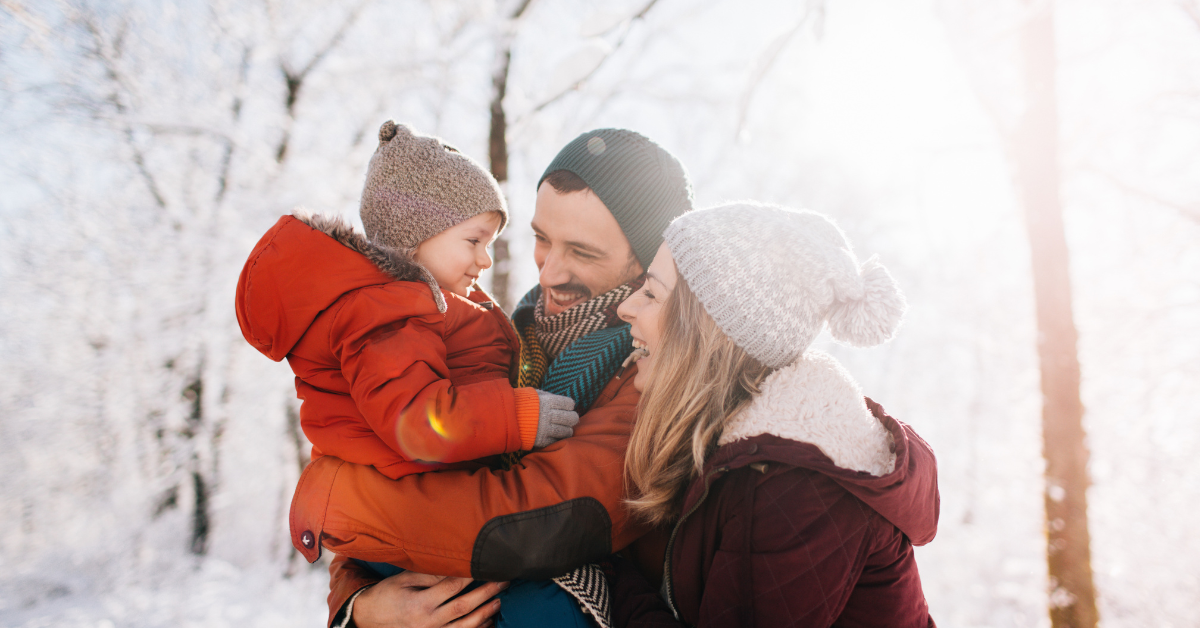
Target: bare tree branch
(235, 111)
(498, 128)
(336, 39)
(520, 9)
(175, 128)
(641, 14)
(22, 15)
(107, 54)
(766, 61)
(1192, 9)
(498, 139)
(294, 79)
(1191, 213)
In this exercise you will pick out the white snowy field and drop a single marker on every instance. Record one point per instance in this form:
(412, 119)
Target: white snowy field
(209, 593)
(151, 453)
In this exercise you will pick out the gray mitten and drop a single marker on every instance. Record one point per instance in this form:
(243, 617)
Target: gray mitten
(556, 417)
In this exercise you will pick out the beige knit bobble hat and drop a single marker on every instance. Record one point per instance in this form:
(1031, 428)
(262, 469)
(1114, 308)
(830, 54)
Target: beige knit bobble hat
(772, 277)
(417, 187)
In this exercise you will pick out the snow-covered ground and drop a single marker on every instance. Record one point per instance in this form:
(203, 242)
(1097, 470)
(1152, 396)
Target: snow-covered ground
(209, 593)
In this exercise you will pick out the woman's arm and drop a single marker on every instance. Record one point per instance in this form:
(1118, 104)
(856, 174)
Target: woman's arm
(636, 604)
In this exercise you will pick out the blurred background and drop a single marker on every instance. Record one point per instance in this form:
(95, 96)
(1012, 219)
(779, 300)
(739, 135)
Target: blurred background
(150, 453)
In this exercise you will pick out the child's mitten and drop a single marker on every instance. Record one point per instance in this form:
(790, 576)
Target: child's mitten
(556, 418)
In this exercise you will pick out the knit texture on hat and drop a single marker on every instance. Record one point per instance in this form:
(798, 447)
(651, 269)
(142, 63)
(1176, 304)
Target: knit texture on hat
(644, 186)
(417, 187)
(771, 277)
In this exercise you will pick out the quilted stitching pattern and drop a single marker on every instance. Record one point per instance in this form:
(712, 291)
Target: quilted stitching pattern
(796, 544)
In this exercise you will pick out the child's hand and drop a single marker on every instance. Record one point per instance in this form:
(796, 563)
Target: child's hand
(556, 419)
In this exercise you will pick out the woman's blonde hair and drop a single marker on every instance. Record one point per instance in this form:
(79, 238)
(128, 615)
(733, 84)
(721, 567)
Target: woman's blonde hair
(700, 379)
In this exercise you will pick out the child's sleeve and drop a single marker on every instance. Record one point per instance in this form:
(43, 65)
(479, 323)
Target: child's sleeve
(394, 358)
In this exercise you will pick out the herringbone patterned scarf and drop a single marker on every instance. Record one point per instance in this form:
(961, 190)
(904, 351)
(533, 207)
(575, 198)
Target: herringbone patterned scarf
(554, 333)
(591, 343)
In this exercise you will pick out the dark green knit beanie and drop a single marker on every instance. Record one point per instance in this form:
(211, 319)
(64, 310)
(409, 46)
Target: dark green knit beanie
(644, 186)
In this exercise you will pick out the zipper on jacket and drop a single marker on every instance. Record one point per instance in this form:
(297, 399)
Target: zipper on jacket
(671, 541)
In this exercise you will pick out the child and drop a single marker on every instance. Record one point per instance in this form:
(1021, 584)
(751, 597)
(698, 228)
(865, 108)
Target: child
(399, 362)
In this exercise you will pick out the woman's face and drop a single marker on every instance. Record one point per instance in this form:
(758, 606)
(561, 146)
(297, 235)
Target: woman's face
(643, 310)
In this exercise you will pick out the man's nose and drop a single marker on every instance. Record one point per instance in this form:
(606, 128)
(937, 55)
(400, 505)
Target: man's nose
(554, 270)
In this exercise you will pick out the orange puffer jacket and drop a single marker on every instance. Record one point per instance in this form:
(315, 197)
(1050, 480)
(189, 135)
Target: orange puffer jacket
(558, 508)
(393, 372)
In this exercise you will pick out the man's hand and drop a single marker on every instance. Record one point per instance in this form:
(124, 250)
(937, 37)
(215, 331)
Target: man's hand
(415, 600)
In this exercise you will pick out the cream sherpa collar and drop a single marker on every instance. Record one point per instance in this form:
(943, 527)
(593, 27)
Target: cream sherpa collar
(814, 400)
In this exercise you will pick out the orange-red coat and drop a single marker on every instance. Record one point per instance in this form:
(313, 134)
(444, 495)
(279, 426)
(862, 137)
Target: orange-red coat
(560, 507)
(392, 371)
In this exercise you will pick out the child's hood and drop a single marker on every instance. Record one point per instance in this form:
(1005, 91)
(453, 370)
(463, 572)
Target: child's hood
(300, 267)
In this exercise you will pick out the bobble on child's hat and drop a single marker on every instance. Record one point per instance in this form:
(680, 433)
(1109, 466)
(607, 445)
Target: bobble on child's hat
(417, 187)
(772, 277)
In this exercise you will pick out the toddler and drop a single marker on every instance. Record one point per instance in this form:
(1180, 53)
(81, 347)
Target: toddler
(401, 362)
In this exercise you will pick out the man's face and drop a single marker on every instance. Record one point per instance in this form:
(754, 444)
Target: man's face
(580, 249)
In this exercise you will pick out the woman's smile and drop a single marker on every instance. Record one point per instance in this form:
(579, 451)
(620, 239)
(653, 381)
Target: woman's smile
(643, 310)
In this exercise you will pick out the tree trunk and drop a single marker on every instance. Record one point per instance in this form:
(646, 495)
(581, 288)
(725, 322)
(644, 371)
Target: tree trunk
(498, 161)
(498, 144)
(1034, 147)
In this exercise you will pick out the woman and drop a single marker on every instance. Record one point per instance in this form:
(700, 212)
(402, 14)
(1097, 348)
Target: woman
(792, 500)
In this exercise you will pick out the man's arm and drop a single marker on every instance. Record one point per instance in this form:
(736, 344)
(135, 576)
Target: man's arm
(346, 578)
(558, 508)
(406, 600)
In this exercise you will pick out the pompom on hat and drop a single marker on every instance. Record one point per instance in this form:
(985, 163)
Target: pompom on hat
(418, 186)
(772, 277)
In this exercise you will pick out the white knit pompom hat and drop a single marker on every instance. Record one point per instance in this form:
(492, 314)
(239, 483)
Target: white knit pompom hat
(771, 277)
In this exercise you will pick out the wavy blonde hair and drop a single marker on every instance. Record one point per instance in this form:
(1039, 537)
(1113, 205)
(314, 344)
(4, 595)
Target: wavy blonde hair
(700, 379)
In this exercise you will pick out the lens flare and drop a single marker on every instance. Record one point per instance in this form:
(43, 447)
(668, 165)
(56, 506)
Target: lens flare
(436, 425)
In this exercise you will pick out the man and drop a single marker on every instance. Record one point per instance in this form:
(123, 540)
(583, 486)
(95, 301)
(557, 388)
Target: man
(601, 209)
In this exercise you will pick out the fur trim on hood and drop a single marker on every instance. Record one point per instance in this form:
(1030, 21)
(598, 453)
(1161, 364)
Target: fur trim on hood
(814, 400)
(400, 265)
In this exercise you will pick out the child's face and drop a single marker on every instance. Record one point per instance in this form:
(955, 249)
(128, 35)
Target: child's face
(457, 255)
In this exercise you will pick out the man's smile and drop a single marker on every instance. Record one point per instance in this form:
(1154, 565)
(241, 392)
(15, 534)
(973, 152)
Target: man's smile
(558, 300)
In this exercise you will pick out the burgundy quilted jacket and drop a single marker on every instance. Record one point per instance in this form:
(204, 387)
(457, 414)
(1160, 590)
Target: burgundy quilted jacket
(776, 533)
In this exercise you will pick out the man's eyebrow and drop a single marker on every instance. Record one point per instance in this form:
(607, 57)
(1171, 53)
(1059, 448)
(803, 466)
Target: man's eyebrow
(584, 246)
